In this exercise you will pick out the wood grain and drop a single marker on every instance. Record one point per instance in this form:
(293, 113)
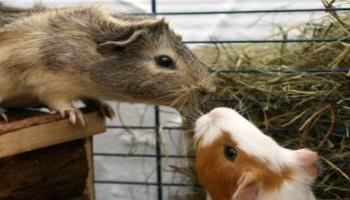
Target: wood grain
(53, 173)
(50, 131)
(90, 187)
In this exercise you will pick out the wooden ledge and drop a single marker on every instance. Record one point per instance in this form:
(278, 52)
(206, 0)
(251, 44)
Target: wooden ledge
(26, 133)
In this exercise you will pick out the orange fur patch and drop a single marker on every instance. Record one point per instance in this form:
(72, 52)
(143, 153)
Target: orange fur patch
(219, 175)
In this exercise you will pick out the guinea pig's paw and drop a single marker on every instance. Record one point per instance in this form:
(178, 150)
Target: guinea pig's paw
(106, 110)
(75, 116)
(3, 115)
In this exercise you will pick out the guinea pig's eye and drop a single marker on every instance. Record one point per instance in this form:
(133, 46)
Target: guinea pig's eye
(165, 62)
(230, 152)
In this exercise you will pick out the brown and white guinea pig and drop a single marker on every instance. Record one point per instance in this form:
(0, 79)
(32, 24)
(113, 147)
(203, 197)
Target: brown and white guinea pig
(236, 161)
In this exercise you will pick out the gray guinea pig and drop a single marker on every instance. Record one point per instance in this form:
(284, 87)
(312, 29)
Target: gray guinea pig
(57, 56)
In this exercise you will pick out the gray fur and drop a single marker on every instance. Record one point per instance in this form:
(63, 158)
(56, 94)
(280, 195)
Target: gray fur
(63, 45)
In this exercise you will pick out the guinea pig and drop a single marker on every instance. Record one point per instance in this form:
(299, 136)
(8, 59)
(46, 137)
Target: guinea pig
(55, 57)
(236, 161)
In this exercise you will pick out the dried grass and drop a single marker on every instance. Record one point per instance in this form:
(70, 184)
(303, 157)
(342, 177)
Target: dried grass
(298, 109)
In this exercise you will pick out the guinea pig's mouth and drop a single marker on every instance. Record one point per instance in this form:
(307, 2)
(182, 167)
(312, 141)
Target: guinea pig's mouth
(319, 168)
(315, 170)
(187, 96)
(180, 99)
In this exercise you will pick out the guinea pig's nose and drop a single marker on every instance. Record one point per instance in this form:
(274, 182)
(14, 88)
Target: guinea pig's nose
(204, 90)
(309, 160)
(206, 87)
(211, 89)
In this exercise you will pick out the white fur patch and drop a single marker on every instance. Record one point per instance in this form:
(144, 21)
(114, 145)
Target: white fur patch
(290, 190)
(248, 137)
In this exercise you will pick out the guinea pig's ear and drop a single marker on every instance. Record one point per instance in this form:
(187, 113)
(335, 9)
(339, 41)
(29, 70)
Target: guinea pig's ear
(110, 45)
(157, 27)
(246, 189)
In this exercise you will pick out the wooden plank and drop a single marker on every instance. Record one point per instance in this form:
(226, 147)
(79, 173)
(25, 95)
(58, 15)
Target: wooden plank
(44, 135)
(90, 187)
(57, 172)
(27, 122)
(23, 118)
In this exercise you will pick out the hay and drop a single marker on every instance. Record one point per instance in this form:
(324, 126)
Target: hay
(298, 109)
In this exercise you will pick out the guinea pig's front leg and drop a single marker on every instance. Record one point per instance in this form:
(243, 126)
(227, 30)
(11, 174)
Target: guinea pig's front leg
(3, 112)
(3, 115)
(104, 108)
(65, 108)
